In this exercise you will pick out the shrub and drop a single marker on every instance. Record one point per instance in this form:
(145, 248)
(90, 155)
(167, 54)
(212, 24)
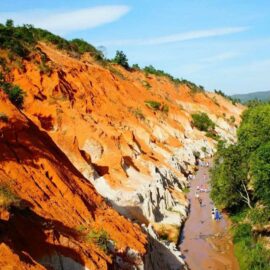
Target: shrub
(15, 95)
(202, 122)
(138, 114)
(100, 238)
(204, 149)
(259, 215)
(232, 119)
(196, 154)
(242, 233)
(147, 85)
(8, 198)
(213, 135)
(165, 108)
(251, 254)
(3, 117)
(136, 67)
(121, 59)
(153, 104)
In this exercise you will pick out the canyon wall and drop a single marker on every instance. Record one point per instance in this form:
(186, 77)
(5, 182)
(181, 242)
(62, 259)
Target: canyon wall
(88, 130)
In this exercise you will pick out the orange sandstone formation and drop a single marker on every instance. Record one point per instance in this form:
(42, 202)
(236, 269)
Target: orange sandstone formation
(84, 125)
(56, 202)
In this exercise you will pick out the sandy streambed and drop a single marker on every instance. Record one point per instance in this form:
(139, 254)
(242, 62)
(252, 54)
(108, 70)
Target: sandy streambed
(206, 243)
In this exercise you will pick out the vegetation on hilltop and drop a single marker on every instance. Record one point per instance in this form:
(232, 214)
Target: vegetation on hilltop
(21, 40)
(121, 59)
(232, 99)
(241, 184)
(158, 72)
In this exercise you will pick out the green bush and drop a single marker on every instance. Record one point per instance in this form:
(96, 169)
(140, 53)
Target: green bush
(16, 96)
(8, 198)
(202, 122)
(242, 232)
(136, 67)
(21, 40)
(121, 59)
(100, 238)
(147, 85)
(250, 253)
(165, 108)
(153, 104)
(232, 119)
(259, 215)
(3, 117)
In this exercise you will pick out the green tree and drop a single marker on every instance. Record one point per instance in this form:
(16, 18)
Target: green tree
(228, 179)
(121, 59)
(202, 121)
(9, 23)
(260, 173)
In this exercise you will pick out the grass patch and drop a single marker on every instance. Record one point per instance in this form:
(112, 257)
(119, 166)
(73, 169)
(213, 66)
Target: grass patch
(100, 238)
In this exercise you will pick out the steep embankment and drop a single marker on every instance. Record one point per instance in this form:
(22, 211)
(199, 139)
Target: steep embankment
(58, 209)
(129, 133)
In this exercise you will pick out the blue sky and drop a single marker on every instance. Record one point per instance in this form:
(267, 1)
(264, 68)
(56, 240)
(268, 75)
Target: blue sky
(219, 44)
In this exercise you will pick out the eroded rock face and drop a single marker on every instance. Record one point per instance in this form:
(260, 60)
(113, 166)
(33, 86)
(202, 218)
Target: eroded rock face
(59, 209)
(136, 157)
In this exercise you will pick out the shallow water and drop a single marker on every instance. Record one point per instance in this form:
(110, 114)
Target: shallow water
(206, 243)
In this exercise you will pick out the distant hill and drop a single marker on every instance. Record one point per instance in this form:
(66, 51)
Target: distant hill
(265, 95)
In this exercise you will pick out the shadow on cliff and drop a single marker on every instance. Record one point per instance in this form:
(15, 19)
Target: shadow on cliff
(28, 233)
(160, 257)
(24, 143)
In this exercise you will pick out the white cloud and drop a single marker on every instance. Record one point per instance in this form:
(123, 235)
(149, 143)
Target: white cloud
(63, 22)
(176, 37)
(220, 57)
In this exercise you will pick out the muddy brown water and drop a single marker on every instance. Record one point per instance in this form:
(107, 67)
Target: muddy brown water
(206, 243)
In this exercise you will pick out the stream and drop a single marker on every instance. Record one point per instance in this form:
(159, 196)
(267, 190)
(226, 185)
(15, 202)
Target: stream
(206, 243)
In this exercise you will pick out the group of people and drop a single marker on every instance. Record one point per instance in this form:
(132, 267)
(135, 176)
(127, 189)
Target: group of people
(203, 163)
(216, 215)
